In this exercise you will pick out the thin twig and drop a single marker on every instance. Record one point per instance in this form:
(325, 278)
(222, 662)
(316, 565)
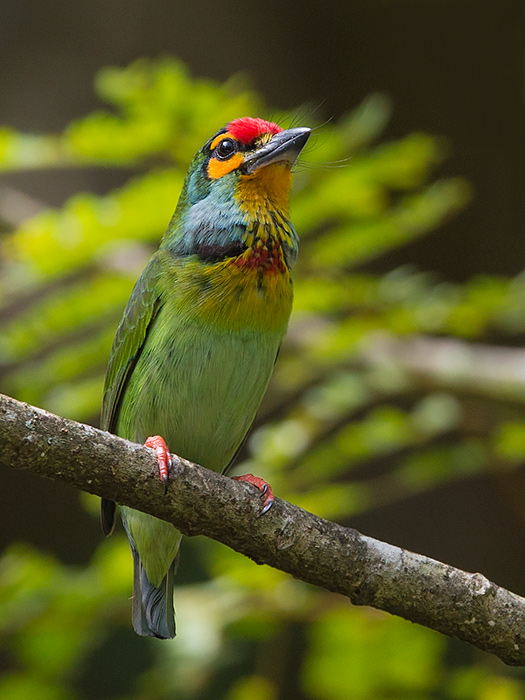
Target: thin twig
(485, 370)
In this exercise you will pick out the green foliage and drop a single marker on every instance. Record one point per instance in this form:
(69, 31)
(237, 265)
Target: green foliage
(346, 640)
(340, 432)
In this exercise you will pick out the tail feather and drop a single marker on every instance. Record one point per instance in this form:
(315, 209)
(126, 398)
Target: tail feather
(153, 613)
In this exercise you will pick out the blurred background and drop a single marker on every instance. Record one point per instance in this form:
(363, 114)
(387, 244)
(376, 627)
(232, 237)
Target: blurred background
(397, 405)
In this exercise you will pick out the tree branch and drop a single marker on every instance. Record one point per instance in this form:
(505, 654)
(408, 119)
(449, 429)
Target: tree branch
(314, 550)
(485, 370)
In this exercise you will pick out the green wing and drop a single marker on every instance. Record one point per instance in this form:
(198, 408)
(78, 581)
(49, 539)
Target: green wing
(138, 319)
(142, 309)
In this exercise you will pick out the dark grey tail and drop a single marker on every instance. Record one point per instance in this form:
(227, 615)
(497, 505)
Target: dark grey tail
(153, 613)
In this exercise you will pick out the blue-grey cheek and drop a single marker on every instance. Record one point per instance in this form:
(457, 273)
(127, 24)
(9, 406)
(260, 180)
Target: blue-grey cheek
(198, 187)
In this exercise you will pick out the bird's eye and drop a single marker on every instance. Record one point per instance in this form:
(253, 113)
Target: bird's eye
(225, 149)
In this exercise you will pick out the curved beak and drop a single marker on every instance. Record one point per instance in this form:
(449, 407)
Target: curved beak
(284, 147)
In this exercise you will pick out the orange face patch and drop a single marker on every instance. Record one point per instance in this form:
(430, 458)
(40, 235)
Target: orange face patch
(217, 168)
(216, 141)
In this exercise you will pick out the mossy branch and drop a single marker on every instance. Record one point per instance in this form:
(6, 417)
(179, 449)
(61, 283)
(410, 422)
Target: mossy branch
(199, 501)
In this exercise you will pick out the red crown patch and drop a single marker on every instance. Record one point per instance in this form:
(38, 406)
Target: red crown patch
(247, 129)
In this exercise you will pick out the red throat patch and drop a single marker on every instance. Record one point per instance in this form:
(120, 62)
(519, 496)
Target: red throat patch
(247, 129)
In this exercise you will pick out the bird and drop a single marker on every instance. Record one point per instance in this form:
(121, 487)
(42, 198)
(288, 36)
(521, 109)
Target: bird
(199, 337)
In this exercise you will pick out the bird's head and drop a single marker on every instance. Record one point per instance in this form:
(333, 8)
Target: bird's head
(248, 159)
(237, 184)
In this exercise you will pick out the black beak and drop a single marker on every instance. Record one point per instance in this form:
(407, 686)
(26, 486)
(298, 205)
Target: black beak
(284, 147)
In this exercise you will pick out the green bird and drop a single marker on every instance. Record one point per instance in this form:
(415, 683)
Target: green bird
(197, 343)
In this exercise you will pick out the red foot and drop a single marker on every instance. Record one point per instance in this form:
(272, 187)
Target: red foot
(163, 455)
(263, 487)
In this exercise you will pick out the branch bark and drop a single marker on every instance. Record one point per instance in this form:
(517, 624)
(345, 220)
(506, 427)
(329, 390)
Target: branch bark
(199, 501)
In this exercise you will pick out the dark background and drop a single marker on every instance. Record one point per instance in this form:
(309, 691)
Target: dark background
(451, 67)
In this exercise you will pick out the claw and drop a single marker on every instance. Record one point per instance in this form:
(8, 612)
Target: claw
(164, 458)
(263, 486)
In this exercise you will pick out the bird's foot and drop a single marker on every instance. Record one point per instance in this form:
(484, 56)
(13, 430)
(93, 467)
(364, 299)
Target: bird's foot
(263, 487)
(164, 457)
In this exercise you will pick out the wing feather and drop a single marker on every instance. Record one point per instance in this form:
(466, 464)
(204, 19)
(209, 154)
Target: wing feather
(139, 316)
(141, 311)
